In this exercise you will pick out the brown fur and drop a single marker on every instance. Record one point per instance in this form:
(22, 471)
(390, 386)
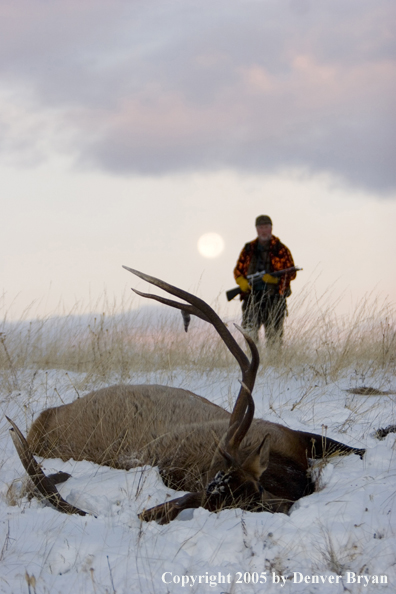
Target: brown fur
(128, 426)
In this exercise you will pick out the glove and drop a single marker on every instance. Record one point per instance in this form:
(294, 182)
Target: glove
(243, 283)
(270, 280)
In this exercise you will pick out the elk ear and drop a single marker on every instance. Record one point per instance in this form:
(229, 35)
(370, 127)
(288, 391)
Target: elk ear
(257, 462)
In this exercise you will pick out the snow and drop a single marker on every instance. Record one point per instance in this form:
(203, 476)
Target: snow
(347, 525)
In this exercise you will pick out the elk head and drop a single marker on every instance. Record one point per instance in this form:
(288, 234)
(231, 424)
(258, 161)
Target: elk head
(239, 484)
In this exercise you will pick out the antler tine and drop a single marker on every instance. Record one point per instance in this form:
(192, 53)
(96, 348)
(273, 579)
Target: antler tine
(43, 483)
(190, 309)
(205, 309)
(249, 377)
(243, 412)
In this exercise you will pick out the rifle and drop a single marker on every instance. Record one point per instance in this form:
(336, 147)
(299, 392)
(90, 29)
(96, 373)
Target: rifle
(252, 278)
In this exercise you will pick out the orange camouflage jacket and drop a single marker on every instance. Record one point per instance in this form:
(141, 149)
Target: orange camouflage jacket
(280, 258)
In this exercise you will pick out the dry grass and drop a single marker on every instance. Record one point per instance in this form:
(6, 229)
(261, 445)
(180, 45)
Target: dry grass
(318, 336)
(115, 346)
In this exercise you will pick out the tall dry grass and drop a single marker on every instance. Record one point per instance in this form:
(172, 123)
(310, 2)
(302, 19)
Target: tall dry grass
(113, 347)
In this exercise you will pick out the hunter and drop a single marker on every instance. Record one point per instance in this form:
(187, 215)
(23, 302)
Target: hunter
(264, 299)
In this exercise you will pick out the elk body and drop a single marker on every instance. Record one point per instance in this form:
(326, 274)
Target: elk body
(222, 459)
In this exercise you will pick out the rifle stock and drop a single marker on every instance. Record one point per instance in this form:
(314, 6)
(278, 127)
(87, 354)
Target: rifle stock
(237, 291)
(233, 293)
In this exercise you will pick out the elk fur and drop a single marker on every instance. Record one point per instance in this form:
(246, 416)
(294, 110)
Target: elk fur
(128, 426)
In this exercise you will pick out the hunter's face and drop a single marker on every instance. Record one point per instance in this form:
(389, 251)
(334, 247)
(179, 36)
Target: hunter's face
(264, 232)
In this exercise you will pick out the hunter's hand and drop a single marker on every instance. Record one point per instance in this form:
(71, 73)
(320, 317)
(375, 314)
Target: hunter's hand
(270, 280)
(243, 284)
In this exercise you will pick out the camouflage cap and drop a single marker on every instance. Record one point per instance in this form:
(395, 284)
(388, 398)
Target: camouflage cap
(263, 220)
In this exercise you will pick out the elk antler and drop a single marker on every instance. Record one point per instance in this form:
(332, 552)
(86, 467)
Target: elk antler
(43, 483)
(241, 420)
(243, 412)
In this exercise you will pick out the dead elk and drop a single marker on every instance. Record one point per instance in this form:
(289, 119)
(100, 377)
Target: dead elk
(222, 459)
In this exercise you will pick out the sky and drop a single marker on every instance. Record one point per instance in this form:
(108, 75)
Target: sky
(129, 129)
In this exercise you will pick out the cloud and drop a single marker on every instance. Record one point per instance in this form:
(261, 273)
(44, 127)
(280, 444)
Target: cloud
(153, 87)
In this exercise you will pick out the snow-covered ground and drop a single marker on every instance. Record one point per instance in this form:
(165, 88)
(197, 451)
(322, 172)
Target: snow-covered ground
(347, 528)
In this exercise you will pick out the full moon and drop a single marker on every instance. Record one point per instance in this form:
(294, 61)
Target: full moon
(210, 245)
